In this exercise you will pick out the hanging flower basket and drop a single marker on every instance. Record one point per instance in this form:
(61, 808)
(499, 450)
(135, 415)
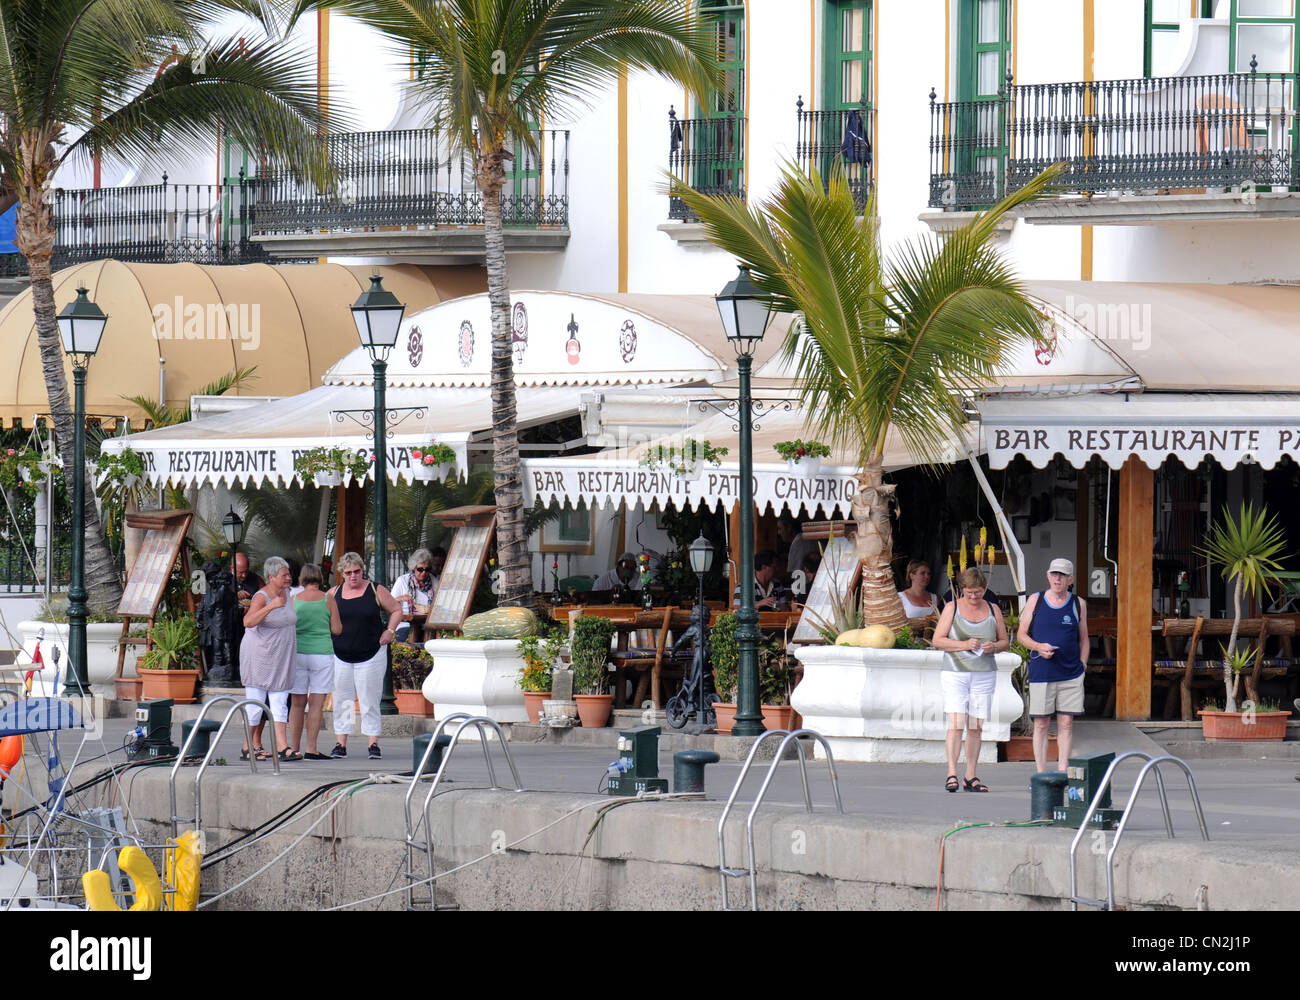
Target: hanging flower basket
(328, 479)
(685, 462)
(803, 458)
(331, 466)
(432, 462)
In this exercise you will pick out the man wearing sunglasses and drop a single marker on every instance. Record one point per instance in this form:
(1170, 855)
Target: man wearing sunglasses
(418, 586)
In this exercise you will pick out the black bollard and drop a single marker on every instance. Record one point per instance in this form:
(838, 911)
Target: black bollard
(1046, 791)
(688, 769)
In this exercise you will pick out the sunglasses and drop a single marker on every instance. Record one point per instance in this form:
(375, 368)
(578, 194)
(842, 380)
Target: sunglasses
(352, 572)
(421, 569)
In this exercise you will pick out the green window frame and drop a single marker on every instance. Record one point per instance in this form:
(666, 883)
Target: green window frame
(1250, 21)
(847, 47)
(234, 214)
(718, 154)
(983, 56)
(729, 42)
(1151, 9)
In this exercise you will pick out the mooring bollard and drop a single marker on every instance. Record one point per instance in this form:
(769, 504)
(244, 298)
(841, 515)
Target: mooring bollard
(421, 742)
(1046, 792)
(688, 769)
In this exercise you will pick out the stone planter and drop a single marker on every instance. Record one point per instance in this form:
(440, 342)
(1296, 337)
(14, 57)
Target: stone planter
(887, 704)
(101, 654)
(481, 678)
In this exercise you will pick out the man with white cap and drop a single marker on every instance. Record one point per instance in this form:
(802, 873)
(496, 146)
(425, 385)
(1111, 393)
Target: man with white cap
(1054, 628)
(623, 576)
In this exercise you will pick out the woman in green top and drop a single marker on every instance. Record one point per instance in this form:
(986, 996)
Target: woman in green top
(970, 631)
(313, 675)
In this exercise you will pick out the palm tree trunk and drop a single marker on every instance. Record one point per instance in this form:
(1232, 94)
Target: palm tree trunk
(34, 237)
(875, 542)
(1229, 680)
(512, 544)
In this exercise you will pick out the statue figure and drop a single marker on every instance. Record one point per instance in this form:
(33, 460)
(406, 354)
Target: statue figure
(218, 618)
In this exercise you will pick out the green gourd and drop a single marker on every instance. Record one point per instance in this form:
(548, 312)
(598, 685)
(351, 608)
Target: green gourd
(500, 623)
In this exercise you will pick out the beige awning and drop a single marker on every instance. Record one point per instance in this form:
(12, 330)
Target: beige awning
(292, 322)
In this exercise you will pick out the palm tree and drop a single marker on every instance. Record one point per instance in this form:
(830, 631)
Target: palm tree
(1246, 547)
(496, 67)
(884, 342)
(85, 68)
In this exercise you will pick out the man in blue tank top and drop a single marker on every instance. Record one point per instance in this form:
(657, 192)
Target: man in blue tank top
(1054, 628)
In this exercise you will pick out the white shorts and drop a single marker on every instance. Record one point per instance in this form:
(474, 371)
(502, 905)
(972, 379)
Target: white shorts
(278, 700)
(968, 692)
(313, 673)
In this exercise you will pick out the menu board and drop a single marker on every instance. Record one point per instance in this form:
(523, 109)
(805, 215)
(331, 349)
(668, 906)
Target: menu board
(839, 572)
(460, 573)
(164, 534)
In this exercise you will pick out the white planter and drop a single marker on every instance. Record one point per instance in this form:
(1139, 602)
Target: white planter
(328, 479)
(887, 704)
(101, 654)
(481, 678)
(692, 473)
(431, 473)
(805, 468)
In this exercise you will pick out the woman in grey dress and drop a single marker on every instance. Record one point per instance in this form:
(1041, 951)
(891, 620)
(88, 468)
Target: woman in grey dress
(266, 657)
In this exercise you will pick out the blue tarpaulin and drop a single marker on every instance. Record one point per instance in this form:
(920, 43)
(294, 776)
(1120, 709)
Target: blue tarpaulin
(7, 230)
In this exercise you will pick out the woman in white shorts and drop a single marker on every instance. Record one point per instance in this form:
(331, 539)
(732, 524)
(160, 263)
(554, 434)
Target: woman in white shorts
(970, 631)
(313, 675)
(266, 658)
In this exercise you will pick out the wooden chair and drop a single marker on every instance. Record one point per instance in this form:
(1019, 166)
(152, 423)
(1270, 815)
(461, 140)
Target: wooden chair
(647, 668)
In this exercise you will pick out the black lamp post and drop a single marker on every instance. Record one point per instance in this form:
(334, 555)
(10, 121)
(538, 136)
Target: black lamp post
(701, 555)
(81, 325)
(745, 316)
(232, 525)
(378, 316)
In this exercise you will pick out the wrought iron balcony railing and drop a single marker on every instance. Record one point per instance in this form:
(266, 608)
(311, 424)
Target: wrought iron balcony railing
(1122, 136)
(708, 154)
(152, 224)
(415, 177)
(823, 137)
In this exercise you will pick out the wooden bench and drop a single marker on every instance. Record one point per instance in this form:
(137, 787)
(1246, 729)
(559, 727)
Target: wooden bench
(1207, 672)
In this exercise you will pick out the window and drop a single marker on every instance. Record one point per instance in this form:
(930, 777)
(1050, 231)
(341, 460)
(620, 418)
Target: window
(983, 56)
(1264, 30)
(848, 45)
(1163, 20)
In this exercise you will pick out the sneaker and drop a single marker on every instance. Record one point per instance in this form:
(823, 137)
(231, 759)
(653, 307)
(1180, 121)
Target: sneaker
(339, 750)
(374, 752)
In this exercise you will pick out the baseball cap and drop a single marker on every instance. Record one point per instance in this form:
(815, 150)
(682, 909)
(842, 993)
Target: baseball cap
(1061, 566)
(627, 557)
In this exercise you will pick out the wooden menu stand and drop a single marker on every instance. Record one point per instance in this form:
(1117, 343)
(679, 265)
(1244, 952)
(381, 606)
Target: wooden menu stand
(164, 543)
(466, 556)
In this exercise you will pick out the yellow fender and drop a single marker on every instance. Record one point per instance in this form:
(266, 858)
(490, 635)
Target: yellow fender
(182, 868)
(135, 863)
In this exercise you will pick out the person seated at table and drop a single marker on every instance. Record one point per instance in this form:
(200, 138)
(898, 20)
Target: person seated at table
(416, 587)
(623, 576)
(765, 596)
(918, 601)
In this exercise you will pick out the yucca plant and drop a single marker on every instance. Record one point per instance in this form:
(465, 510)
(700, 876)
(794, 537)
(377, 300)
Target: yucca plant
(886, 341)
(1246, 547)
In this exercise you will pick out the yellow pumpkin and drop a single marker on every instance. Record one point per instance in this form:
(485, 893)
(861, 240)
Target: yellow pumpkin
(871, 637)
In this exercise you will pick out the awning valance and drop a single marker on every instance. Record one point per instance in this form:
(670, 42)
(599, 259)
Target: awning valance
(1226, 427)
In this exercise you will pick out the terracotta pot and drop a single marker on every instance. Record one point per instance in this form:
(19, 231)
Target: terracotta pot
(533, 704)
(778, 717)
(725, 712)
(177, 685)
(594, 709)
(412, 702)
(128, 688)
(1021, 748)
(1234, 727)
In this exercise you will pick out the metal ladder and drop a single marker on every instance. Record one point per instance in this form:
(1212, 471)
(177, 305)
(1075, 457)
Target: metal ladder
(413, 825)
(241, 706)
(788, 737)
(1152, 765)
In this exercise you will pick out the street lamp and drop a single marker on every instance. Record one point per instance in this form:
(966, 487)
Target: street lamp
(378, 316)
(232, 525)
(701, 556)
(81, 325)
(745, 316)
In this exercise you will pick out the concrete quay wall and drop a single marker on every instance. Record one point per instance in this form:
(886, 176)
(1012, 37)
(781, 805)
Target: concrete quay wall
(587, 852)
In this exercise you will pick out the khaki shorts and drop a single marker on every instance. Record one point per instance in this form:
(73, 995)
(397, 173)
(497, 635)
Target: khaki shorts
(1056, 698)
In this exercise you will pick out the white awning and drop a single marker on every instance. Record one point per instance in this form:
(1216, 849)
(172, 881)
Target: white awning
(1227, 427)
(259, 444)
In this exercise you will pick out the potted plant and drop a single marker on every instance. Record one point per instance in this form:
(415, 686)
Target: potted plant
(432, 461)
(541, 655)
(118, 472)
(1254, 723)
(167, 667)
(803, 458)
(724, 657)
(589, 647)
(330, 466)
(23, 469)
(686, 461)
(776, 677)
(1246, 546)
(411, 665)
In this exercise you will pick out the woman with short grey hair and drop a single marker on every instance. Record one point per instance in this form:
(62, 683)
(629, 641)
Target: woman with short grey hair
(266, 657)
(415, 588)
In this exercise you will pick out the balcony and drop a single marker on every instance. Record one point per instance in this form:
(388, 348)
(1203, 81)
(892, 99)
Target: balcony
(410, 194)
(153, 224)
(822, 137)
(1135, 151)
(709, 155)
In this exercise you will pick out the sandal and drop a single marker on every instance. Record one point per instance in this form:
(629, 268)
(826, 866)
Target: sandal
(974, 785)
(287, 754)
(951, 783)
(243, 755)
